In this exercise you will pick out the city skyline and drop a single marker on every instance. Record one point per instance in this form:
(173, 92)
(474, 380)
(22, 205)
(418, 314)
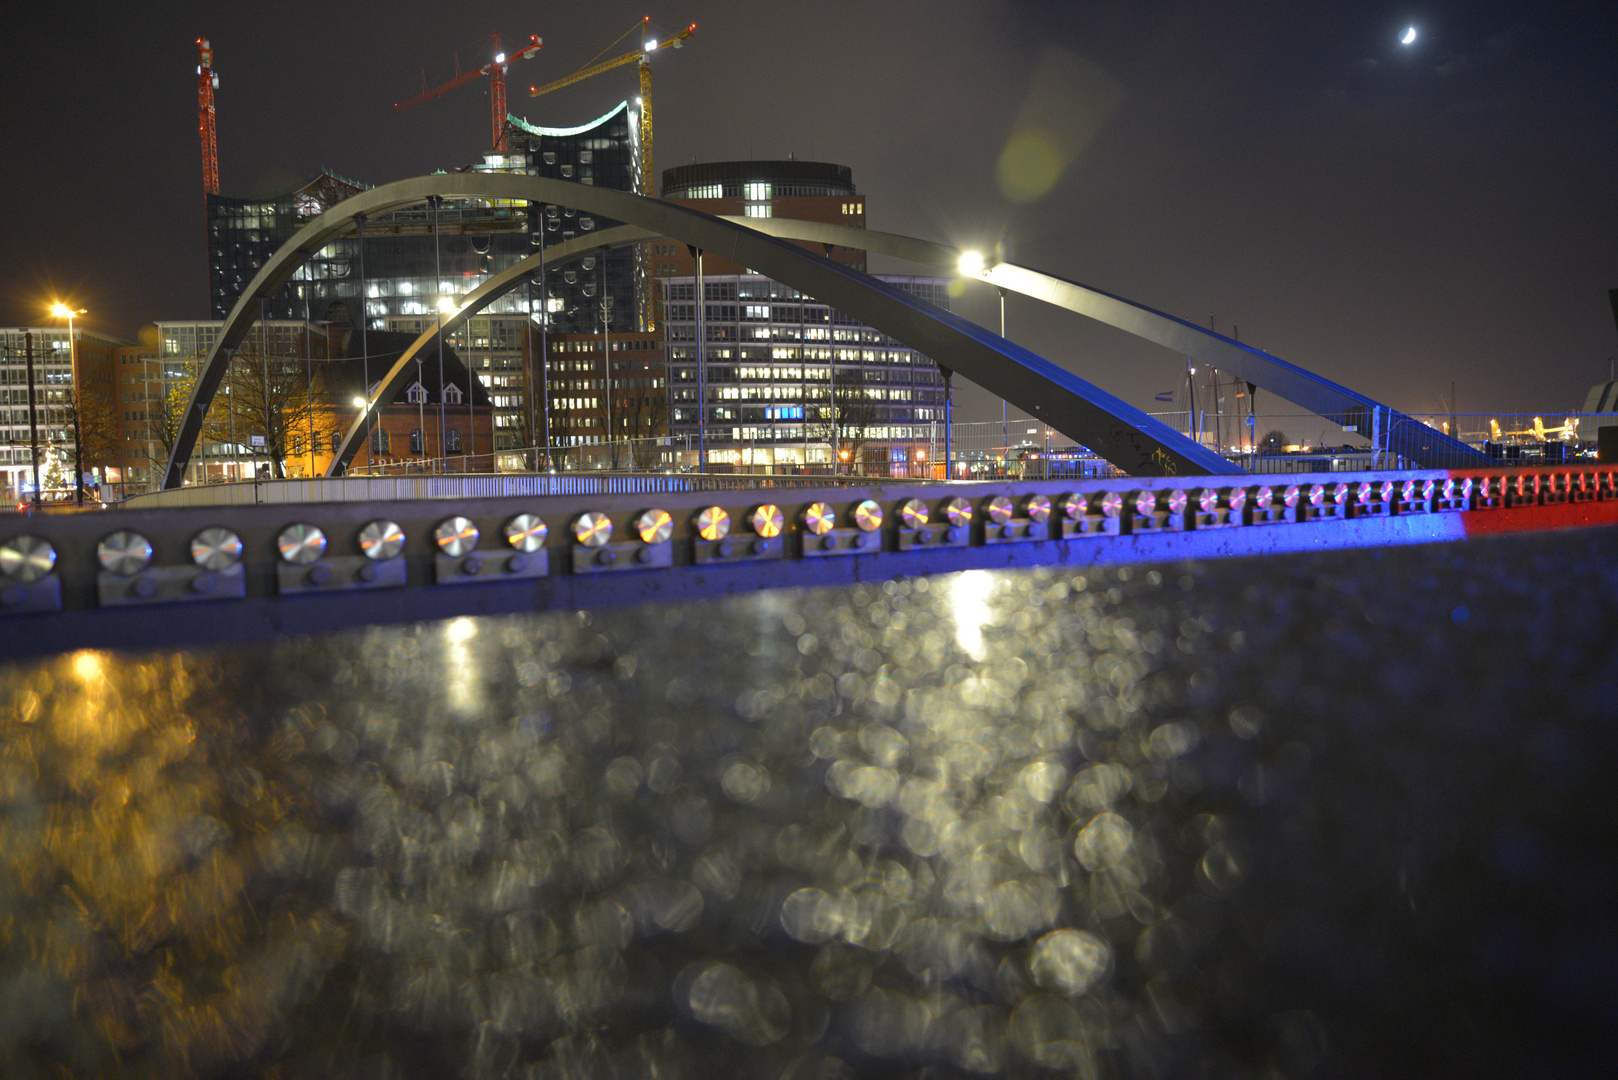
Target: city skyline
(1393, 217)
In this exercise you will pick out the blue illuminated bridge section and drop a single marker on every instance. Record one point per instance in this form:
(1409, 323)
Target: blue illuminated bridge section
(249, 561)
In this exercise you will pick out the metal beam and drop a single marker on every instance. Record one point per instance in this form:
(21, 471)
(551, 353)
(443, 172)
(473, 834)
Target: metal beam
(1404, 434)
(1111, 427)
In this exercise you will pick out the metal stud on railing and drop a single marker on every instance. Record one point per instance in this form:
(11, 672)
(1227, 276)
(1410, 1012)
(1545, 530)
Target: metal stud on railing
(1144, 502)
(1108, 504)
(1263, 496)
(913, 512)
(1291, 496)
(592, 528)
(654, 526)
(456, 536)
(1177, 501)
(998, 509)
(958, 512)
(1074, 506)
(525, 532)
(300, 543)
(1316, 496)
(381, 539)
(1236, 499)
(124, 553)
(1339, 494)
(868, 516)
(767, 520)
(1429, 488)
(713, 523)
(1037, 508)
(1208, 500)
(26, 558)
(819, 518)
(216, 548)
(1407, 491)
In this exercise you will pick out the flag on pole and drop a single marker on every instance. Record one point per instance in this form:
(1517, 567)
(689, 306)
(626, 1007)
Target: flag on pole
(1169, 396)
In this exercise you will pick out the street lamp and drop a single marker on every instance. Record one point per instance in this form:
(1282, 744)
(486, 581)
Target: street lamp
(446, 306)
(60, 310)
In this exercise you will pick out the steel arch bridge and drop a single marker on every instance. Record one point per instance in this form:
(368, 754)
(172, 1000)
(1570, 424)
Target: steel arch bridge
(1112, 428)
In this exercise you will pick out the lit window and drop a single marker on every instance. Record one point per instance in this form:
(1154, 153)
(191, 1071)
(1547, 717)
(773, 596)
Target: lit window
(759, 210)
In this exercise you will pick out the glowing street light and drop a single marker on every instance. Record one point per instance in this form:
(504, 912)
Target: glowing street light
(359, 402)
(60, 310)
(972, 263)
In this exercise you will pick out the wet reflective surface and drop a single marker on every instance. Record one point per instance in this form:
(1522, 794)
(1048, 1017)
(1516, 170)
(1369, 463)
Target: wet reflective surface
(1343, 815)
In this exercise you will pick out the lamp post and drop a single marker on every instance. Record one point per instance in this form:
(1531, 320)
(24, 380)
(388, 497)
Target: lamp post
(62, 311)
(446, 306)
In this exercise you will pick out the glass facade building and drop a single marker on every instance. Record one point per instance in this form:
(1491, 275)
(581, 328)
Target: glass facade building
(787, 380)
(413, 257)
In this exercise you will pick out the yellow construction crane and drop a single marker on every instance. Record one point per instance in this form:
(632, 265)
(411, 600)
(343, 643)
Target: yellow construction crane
(648, 176)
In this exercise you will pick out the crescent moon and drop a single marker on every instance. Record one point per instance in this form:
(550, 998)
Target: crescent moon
(1409, 35)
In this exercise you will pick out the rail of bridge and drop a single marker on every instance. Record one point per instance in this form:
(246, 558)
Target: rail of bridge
(134, 578)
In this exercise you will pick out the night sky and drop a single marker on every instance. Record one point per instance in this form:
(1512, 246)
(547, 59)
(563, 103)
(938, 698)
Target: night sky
(1395, 218)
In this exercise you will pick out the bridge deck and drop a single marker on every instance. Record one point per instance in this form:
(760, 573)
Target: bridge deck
(137, 578)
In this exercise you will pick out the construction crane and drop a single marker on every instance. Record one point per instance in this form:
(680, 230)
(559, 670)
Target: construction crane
(495, 70)
(207, 83)
(648, 175)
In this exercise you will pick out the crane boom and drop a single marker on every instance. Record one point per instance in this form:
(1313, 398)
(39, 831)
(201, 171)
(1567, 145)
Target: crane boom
(496, 71)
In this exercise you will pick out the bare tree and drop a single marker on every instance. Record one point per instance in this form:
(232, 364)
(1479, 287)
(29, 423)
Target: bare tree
(269, 396)
(846, 418)
(645, 412)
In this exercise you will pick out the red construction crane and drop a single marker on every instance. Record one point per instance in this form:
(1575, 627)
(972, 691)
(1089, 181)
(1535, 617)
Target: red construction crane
(495, 70)
(207, 83)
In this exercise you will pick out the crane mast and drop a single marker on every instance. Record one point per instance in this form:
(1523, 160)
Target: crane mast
(207, 83)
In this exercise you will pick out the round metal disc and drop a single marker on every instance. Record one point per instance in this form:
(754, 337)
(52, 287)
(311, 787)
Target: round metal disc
(913, 512)
(26, 558)
(300, 543)
(654, 526)
(1207, 500)
(456, 536)
(1236, 499)
(1178, 501)
(1074, 506)
(819, 518)
(958, 511)
(1109, 504)
(998, 509)
(592, 528)
(381, 539)
(767, 520)
(124, 553)
(525, 532)
(215, 548)
(1144, 502)
(1037, 507)
(868, 516)
(1263, 495)
(713, 523)
(1317, 495)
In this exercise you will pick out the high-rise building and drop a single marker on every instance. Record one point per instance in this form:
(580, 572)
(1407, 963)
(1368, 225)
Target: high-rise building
(787, 381)
(54, 405)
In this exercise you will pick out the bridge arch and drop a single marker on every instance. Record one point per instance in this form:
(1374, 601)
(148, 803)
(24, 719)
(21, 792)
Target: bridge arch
(1111, 427)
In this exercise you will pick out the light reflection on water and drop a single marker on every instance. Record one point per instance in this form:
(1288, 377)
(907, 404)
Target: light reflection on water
(1127, 823)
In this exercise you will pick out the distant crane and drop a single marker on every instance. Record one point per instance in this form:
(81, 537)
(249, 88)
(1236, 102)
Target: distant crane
(207, 83)
(495, 70)
(651, 45)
